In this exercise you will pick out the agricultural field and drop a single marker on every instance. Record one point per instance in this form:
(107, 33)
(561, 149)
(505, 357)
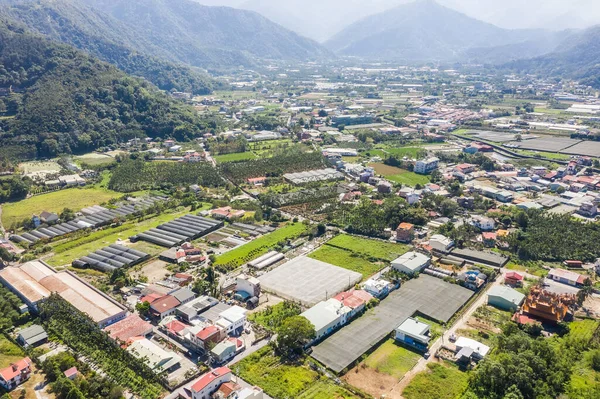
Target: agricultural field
(9, 352)
(399, 175)
(286, 380)
(56, 201)
(260, 245)
(358, 254)
(485, 324)
(235, 157)
(440, 381)
(272, 316)
(94, 159)
(66, 252)
(374, 248)
(39, 167)
(382, 369)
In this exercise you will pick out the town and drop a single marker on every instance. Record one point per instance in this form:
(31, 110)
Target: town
(374, 231)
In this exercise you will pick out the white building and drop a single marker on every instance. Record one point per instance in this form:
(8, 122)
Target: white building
(440, 243)
(411, 262)
(426, 166)
(153, 355)
(327, 316)
(207, 384)
(483, 223)
(232, 319)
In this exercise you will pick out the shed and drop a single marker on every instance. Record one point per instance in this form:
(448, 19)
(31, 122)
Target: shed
(505, 298)
(32, 336)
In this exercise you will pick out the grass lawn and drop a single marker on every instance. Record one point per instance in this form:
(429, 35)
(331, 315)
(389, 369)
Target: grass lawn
(72, 198)
(399, 175)
(534, 270)
(436, 328)
(278, 380)
(441, 381)
(260, 246)
(392, 359)
(9, 352)
(375, 248)
(347, 260)
(95, 159)
(543, 154)
(585, 381)
(66, 252)
(411, 152)
(239, 156)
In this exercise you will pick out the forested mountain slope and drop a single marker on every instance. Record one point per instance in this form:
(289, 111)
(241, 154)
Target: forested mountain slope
(56, 99)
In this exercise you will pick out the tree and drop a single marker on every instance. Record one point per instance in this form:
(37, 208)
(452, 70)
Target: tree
(322, 113)
(143, 308)
(321, 229)
(294, 333)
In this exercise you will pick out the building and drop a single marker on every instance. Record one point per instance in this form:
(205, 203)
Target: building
(567, 277)
(226, 350)
(154, 356)
(164, 306)
(71, 373)
(184, 295)
(483, 223)
(129, 327)
(413, 333)
(547, 306)
(513, 279)
(411, 262)
(34, 281)
(48, 217)
(384, 187)
(467, 347)
(505, 298)
(32, 336)
(405, 232)
(379, 288)
(349, 120)
(327, 316)
(207, 336)
(356, 300)
(15, 374)
(232, 320)
(440, 243)
(209, 383)
(248, 284)
(426, 166)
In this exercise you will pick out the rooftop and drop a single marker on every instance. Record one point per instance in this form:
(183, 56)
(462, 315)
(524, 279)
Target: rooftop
(131, 326)
(209, 377)
(507, 293)
(415, 328)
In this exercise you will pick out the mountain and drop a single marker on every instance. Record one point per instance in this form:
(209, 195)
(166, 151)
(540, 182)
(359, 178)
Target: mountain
(56, 99)
(423, 31)
(576, 57)
(86, 28)
(204, 36)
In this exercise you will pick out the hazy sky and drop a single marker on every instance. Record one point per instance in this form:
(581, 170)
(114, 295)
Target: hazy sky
(320, 19)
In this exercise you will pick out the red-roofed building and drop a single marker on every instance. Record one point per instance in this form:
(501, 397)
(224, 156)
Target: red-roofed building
(209, 335)
(164, 306)
(227, 390)
(175, 328)
(131, 326)
(210, 382)
(15, 374)
(489, 239)
(227, 213)
(257, 181)
(71, 373)
(356, 300)
(465, 168)
(513, 278)
(405, 232)
(150, 298)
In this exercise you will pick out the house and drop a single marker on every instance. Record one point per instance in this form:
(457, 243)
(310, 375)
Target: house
(250, 393)
(440, 243)
(257, 181)
(210, 382)
(567, 277)
(227, 390)
(327, 316)
(411, 262)
(489, 239)
(426, 166)
(129, 327)
(483, 223)
(155, 357)
(476, 350)
(379, 288)
(232, 320)
(505, 298)
(32, 336)
(193, 157)
(184, 295)
(356, 300)
(248, 284)
(226, 350)
(573, 264)
(164, 306)
(384, 187)
(513, 279)
(227, 213)
(208, 336)
(405, 232)
(15, 374)
(413, 333)
(48, 217)
(472, 279)
(465, 168)
(71, 373)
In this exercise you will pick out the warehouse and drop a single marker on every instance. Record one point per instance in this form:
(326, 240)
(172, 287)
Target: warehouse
(111, 258)
(308, 281)
(178, 231)
(34, 281)
(505, 298)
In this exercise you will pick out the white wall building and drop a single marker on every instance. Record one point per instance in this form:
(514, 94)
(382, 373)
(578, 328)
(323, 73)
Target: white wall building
(426, 166)
(411, 262)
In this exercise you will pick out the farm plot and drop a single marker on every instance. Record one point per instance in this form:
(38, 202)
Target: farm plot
(440, 381)
(549, 144)
(94, 159)
(399, 175)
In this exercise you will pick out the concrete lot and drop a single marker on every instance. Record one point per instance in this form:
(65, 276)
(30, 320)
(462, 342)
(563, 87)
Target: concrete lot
(308, 280)
(428, 295)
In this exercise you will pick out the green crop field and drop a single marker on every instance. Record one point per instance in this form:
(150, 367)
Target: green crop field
(56, 201)
(9, 352)
(260, 246)
(399, 175)
(324, 389)
(347, 260)
(375, 248)
(239, 156)
(440, 381)
(392, 359)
